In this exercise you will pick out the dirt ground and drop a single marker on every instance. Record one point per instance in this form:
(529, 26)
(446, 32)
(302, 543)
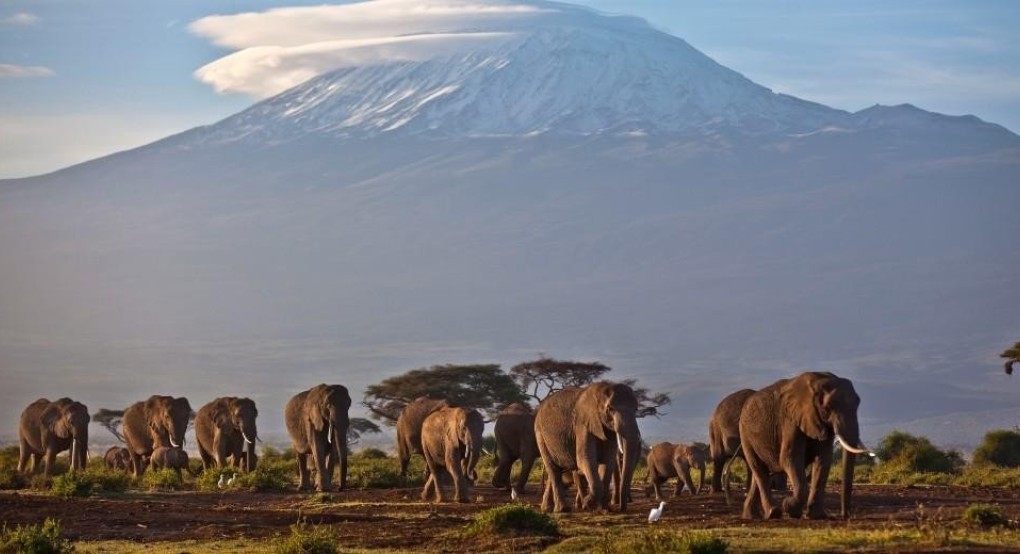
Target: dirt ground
(396, 519)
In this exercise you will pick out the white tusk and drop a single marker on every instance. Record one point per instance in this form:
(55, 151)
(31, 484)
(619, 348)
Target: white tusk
(619, 444)
(174, 444)
(852, 449)
(329, 437)
(74, 448)
(246, 439)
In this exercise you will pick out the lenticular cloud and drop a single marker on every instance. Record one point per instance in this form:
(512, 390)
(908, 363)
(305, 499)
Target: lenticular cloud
(280, 48)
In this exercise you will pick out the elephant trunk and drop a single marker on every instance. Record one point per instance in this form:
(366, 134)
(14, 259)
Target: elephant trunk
(472, 453)
(701, 478)
(339, 451)
(628, 439)
(849, 460)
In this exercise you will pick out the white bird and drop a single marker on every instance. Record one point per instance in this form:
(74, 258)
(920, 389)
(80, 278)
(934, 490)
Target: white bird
(513, 493)
(231, 480)
(222, 482)
(656, 513)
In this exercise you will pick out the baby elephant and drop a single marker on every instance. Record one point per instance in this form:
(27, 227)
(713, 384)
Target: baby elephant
(173, 458)
(668, 460)
(117, 457)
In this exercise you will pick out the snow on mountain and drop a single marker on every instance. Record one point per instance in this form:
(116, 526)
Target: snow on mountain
(581, 73)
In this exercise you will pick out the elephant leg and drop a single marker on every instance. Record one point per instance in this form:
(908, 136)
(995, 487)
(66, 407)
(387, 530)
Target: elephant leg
(684, 476)
(460, 482)
(717, 469)
(758, 489)
(527, 462)
(207, 459)
(819, 477)
(302, 469)
(50, 463)
(793, 505)
(323, 470)
(554, 480)
(23, 455)
(221, 449)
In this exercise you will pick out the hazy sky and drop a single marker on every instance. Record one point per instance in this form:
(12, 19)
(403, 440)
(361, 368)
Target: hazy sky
(83, 79)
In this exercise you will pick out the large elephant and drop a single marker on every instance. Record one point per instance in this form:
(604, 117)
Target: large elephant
(165, 457)
(792, 423)
(47, 428)
(667, 460)
(158, 421)
(318, 420)
(583, 429)
(451, 440)
(409, 428)
(225, 428)
(117, 457)
(515, 440)
(724, 433)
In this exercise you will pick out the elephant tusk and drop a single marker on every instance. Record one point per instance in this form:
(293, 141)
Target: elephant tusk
(853, 449)
(173, 444)
(329, 437)
(619, 444)
(74, 453)
(246, 439)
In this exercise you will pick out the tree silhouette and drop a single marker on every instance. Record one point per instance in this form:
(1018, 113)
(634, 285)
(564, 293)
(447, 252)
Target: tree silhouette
(1012, 356)
(484, 387)
(110, 419)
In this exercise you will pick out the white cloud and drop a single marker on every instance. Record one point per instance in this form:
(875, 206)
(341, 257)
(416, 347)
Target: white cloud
(21, 18)
(8, 71)
(283, 47)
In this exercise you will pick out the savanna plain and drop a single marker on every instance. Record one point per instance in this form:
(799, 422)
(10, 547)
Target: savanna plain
(971, 508)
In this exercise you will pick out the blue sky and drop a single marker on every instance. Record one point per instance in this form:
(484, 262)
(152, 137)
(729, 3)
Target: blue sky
(83, 79)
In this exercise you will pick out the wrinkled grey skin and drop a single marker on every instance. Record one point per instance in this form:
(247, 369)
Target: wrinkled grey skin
(48, 428)
(667, 460)
(117, 457)
(158, 421)
(583, 429)
(515, 440)
(225, 431)
(317, 421)
(164, 457)
(790, 424)
(451, 440)
(409, 428)
(724, 433)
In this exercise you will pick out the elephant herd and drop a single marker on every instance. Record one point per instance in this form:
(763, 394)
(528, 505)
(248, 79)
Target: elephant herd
(586, 436)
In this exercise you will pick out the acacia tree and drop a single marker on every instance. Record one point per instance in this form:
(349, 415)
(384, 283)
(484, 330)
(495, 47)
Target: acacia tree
(1012, 356)
(484, 387)
(544, 376)
(360, 426)
(110, 420)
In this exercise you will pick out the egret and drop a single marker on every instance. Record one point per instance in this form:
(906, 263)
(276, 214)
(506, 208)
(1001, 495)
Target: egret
(513, 493)
(656, 513)
(231, 480)
(222, 482)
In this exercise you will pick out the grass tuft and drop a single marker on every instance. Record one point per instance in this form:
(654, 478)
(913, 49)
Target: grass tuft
(984, 515)
(513, 520)
(660, 541)
(35, 539)
(308, 539)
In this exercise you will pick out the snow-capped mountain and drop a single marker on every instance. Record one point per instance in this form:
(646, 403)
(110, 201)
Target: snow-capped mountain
(585, 187)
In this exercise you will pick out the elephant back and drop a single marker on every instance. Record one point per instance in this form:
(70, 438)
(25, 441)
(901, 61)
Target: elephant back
(554, 427)
(660, 457)
(724, 427)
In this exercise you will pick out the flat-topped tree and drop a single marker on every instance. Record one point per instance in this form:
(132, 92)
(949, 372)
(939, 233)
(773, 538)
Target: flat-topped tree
(1012, 356)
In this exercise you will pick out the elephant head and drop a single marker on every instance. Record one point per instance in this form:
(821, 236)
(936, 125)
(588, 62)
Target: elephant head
(168, 419)
(242, 417)
(608, 411)
(688, 456)
(824, 407)
(470, 431)
(68, 419)
(327, 407)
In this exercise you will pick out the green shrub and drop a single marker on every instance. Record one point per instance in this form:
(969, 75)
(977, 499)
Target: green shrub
(164, 480)
(660, 541)
(307, 539)
(984, 515)
(35, 539)
(369, 454)
(1001, 448)
(103, 480)
(515, 520)
(907, 453)
(267, 477)
(72, 483)
(11, 478)
(372, 473)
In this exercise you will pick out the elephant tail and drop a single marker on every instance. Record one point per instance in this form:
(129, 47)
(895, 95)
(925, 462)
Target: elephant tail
(738, 453)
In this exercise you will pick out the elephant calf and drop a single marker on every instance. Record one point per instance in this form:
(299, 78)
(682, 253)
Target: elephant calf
(451, 440)
(118, 457)
(667, 460)
(169, 457)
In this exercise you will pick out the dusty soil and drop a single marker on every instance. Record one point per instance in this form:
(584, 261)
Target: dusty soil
(395, 518)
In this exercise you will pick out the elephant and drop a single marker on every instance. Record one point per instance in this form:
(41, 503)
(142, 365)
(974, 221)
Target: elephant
(667, 460)
(225, 427)
(48, 428)
(515, 440)
(174, 458)
(158, 421)
(317, 421)
(409, 428)
(724, 433)
(451, 441)
(792, 423)
(117, 457)
(582, 429)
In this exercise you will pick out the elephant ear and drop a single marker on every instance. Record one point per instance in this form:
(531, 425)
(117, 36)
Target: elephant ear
(592, 404)
(314, 407)
(802, 399)
(51, 416)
